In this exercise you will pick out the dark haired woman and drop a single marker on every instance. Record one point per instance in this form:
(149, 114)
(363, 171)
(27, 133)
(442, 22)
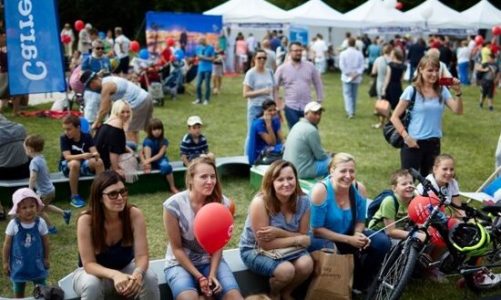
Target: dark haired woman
(190, 271)
(112, 245)
(279, 217)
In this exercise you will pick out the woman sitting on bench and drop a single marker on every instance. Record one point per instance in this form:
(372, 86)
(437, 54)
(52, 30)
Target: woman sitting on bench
(112, 245)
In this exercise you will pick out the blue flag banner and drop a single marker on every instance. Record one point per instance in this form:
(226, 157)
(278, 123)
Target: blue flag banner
(298, 34)
(34, 55)
(183, 28)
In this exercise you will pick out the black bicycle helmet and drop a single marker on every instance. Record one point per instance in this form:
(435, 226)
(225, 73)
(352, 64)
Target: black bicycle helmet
(470, 238)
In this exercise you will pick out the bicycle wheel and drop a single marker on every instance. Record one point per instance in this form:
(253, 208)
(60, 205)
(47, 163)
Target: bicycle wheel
(395, 272)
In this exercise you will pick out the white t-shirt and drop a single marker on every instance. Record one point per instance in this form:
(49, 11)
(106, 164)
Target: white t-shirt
(121, 46)
(12, 228)
(451, 188)
(319, 47)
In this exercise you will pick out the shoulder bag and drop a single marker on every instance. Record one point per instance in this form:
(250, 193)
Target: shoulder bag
(390, 133)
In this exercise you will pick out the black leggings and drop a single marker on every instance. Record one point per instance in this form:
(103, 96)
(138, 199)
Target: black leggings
(421, 158)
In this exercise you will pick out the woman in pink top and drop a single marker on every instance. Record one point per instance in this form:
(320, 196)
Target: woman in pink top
(241, 53)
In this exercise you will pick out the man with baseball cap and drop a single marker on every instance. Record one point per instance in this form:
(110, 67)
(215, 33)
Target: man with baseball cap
(113, 88)
(303, 146)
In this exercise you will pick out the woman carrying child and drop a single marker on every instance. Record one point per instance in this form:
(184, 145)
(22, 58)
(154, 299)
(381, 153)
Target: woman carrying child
(153, 155)
(26, 245)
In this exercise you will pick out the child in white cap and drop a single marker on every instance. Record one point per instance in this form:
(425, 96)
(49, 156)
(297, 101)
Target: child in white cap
(26, 245)
(194, 143)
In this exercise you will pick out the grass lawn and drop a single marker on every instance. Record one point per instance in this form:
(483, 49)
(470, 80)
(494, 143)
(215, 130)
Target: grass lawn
(471, 139)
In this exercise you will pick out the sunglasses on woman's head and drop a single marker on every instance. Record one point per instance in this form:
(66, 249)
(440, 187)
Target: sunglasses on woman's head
(114, 194)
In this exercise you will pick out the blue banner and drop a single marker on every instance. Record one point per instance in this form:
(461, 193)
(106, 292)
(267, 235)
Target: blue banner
(34, 51)
(298, 34)
(182, 28)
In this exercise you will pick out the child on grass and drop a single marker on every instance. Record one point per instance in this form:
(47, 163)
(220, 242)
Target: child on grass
(40, 179)
(153, 154)
(26, 245)
(194, 143)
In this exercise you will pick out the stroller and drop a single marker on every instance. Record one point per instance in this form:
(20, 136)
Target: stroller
(174, 82)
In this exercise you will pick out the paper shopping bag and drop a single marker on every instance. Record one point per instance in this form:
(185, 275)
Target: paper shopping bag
(332, 276)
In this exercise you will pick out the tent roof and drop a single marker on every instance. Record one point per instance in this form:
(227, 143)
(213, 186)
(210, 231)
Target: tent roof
(315, 13)
(249, 11)
(442, 16)
(375, 13)
(482, 15)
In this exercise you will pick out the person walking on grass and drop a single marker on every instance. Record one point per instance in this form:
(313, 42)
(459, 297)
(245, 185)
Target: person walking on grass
(205, 55)
(40, 180)
(351, 63)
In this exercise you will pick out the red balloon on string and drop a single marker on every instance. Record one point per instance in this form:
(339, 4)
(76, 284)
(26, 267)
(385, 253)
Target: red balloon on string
(79, 25)
(213, 227)
(399, 6)
(496, 30)
(66, 39)
(134, 46)
(170, 42)
(479, 40)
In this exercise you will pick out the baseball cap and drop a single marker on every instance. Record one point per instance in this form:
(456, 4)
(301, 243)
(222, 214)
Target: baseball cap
(193, 120)
(86, 77)
(313, 106)
(22, 194)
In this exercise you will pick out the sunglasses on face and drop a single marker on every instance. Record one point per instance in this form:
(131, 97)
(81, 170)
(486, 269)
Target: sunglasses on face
(113, 195)
(261, 57)
(99, 48)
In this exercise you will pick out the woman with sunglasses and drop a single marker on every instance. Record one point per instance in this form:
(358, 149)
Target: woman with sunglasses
(259, 85)
(190, 271)
(112, 245)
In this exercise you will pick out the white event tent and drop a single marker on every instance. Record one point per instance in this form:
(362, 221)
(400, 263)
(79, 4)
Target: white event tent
(316, 13)
(482, 15)
(435, 14)
(249, 11)
(374, 13)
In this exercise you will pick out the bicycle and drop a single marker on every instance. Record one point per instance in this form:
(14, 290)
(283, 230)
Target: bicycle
(478, 238)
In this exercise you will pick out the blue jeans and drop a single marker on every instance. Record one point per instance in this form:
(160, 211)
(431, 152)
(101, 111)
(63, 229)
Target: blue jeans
(350, 97)
(292, 116)
(203, 76)
(464, 69)
(262, 264)
(163, 165)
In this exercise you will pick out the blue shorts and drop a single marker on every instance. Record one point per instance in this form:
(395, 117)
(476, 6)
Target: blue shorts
(261, 264)
(180, 280)
(19, 287)
(84, 168)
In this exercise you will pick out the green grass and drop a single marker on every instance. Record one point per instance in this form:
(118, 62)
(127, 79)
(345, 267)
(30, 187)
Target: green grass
(470, 138)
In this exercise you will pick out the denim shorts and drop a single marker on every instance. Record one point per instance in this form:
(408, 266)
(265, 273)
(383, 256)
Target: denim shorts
(19, 287)
(84, 168)
(180, 280)
(261, 264)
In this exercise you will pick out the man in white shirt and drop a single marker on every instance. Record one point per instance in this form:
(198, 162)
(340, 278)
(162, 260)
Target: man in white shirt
(351, 63)
(121, 49)
(251, 44)
(319, 48)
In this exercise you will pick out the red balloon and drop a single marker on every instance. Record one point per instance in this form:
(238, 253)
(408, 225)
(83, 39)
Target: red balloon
(170, 42)
(399, 6)
(479, 40)
(79, 25)
(420, 207)
(66, 39)
(134, 46)
(496, 30)
(435, 238)
(213, 227)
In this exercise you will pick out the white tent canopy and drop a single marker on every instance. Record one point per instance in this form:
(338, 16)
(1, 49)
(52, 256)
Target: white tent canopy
(249, 11)
(316, 13)
(437, 15)
(376, 13)
(482, 15)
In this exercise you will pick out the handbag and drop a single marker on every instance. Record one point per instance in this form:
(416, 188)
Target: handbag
(391, 135)
(129, 164)
(332, 276)
(282, 253)
(372, 89)
(382, 107)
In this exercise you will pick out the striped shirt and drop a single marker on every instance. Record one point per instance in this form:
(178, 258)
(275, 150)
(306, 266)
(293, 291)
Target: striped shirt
(297, 79)
(192, 149)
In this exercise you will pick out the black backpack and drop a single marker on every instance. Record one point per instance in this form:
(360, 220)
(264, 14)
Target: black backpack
(376, 203)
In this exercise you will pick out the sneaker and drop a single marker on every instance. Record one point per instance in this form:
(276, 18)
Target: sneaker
(487, 278)
(435, 275)
(491, 108)
(206, 102)
(67, 216)
(52, 230)
(77, 201)
(197, 101)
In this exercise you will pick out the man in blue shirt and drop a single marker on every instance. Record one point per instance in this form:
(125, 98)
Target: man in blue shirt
(205, 54)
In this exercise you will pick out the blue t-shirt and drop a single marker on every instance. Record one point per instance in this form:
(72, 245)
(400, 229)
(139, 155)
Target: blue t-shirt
(43, 184)
(426, 116)
(329, 215)
(155, 145)
(191, 149)
(260, 127)
(205, 65)
(374, 51)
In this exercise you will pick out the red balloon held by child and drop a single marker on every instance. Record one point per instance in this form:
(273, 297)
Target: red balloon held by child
(213, 227)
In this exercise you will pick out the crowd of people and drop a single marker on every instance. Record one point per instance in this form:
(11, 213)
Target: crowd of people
(111, 233)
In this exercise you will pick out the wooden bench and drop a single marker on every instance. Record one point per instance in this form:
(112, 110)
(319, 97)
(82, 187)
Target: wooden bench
(248, 282)
(147, 183)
